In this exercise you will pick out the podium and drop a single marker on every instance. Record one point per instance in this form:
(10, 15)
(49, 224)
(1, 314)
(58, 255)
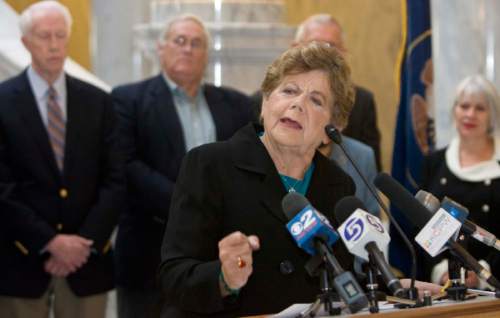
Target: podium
(482, 306)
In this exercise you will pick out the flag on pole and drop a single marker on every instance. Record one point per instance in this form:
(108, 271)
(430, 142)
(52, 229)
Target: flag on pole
(414, 135)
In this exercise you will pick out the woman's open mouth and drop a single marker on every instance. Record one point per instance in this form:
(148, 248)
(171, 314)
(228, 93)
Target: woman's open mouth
(290, 123)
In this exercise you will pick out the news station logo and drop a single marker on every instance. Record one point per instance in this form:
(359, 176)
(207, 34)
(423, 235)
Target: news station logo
(306, 222)
(437, 229)
(375, 223)
(354, 229)
(297, 228)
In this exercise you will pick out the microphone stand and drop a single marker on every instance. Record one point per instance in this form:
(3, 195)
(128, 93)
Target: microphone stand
(372, 286)
(316, 266)
(331, 272)
(325, 298)
(412, 291)
(457, 290)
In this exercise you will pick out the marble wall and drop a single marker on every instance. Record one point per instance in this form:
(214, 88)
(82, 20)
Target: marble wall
(246, 36)
(112, 37)
(465, 40)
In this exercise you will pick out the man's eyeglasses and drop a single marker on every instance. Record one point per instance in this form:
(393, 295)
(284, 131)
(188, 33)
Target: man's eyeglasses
(182, 41)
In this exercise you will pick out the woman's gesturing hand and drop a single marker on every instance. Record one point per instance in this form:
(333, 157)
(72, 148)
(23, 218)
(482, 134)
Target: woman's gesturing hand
(235, 254)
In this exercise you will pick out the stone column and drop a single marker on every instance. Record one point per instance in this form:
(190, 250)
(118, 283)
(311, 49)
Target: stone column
(113, 22)
(465, 41)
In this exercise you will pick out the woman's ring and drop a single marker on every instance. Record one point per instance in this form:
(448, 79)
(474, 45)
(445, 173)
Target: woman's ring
(241, 262)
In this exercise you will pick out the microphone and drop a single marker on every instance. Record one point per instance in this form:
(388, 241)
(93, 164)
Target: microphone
(336, 137)
(309, 228)
(306, 224)
(420, 216)
(457, 289)
(460, 213)
(333, 133)
(364, 235)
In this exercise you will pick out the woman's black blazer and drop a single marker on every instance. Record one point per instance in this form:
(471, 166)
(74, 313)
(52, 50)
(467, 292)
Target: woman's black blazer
(234, 186)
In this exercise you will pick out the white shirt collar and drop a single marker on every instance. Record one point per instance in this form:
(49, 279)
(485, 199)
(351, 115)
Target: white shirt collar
(40, 86)
(485, 170)
(176, 89)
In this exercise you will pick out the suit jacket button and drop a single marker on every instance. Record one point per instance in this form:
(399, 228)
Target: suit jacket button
(487, 182)
(63, 193)
(286, 267)
(443, 181)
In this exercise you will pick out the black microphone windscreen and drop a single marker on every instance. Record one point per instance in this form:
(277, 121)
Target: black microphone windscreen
(403, 199)
(346, 206)
(333, 133)
(293, 203)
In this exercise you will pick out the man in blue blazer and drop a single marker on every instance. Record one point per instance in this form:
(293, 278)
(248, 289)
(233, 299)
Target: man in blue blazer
(364, 158)
(160, 119)
(62, 180)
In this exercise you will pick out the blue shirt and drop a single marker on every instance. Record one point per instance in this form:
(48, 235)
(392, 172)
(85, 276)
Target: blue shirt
(364, 157)
(196, 119)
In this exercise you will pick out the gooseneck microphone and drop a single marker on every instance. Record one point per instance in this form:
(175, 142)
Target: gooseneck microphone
(336, 137)
(364, 236)
(478, 233)
(417, 214)
(309, 228)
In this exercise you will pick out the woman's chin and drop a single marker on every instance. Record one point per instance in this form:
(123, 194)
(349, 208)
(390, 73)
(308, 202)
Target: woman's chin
(472, 135)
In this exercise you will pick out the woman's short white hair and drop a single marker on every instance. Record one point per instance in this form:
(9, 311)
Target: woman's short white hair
(478, 84)
(26, 18)
(184, 17)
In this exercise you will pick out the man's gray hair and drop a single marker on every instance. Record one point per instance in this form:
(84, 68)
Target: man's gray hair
(478, 84)
(183, 17)
(321, 18)
(26, 18)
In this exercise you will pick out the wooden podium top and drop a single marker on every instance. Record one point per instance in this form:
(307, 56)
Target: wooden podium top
(482, 306)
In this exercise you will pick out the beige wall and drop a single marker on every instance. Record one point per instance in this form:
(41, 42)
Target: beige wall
(373, 36)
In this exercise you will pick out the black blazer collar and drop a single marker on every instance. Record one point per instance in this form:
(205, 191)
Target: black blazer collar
(160, 99)
(28, 109)
(78, 117)
(219, 108)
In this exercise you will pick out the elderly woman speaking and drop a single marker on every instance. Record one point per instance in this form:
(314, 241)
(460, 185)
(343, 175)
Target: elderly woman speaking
(226, 250)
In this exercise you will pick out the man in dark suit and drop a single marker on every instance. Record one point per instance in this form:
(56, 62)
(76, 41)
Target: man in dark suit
(161, 118)
(362, 124)
(62, 180)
